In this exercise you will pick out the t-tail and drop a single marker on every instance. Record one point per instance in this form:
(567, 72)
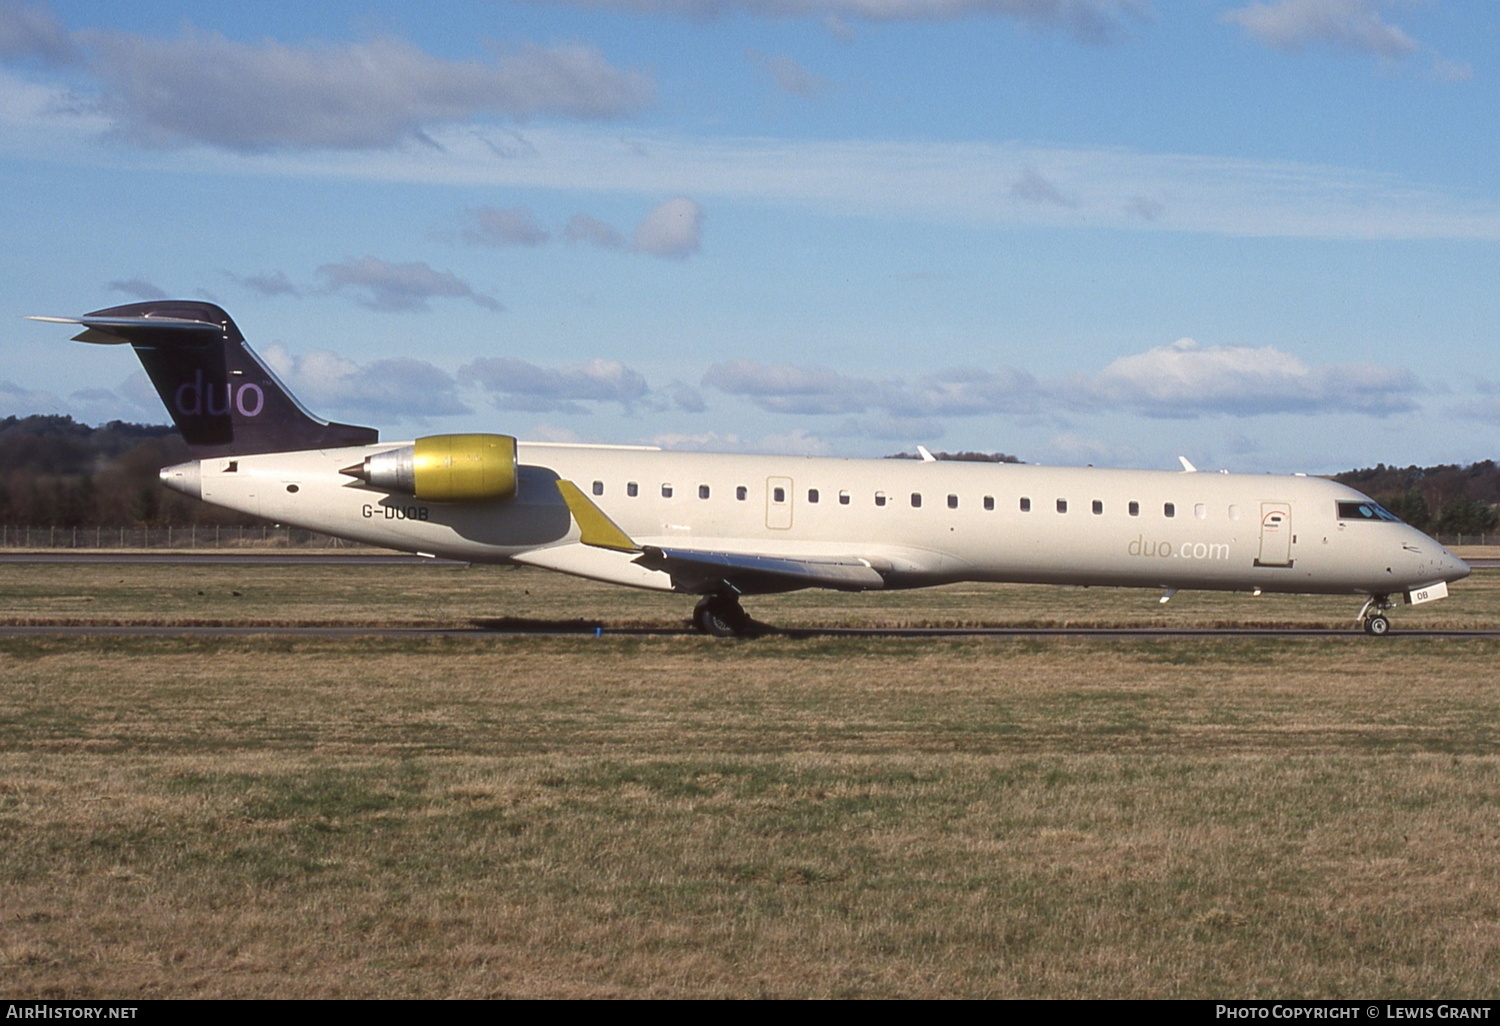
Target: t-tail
(223, 398)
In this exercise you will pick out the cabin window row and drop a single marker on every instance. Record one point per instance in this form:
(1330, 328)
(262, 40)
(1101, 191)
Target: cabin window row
(814, 496)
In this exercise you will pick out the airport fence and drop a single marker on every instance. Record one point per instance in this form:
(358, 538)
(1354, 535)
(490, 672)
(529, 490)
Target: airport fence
(191, 536)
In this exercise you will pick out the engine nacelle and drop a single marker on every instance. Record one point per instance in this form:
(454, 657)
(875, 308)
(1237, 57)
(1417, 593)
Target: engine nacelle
(445, 468)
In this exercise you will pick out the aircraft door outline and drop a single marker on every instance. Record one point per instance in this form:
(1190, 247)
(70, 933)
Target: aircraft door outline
(1275, 534)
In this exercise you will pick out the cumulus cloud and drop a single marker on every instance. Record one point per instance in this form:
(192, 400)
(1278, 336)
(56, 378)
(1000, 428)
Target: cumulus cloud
(274, 283)
(32, 31)
(673, 230)
(515, 226)
(381, 285)
(520, 385)
(401, 386)
(1185, 379)
(1181, 380)
(138, 287)
(787, 75)
(202, 88)
(1089, 21)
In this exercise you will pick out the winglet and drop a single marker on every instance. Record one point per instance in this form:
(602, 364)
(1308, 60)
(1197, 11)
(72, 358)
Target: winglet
(594, 526)
(927, 457)
(1187, 468)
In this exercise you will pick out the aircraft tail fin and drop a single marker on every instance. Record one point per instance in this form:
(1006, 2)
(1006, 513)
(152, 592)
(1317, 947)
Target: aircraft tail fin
(222, 397)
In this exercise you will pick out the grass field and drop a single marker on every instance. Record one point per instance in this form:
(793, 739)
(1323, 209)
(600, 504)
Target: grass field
(679, 816)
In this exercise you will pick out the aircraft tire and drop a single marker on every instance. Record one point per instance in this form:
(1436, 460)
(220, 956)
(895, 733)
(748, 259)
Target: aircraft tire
(1377, 626)
(720, 617)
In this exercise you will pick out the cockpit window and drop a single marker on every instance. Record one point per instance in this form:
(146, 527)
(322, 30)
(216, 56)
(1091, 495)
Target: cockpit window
(1366, 511)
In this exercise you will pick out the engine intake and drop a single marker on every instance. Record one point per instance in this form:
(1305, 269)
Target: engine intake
(445, 468)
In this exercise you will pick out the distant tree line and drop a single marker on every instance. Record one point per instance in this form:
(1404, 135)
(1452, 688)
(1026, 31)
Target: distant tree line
(1446, 499)
(55, 472)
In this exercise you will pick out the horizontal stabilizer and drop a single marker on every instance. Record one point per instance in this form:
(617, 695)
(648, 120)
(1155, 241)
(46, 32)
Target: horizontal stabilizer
(151, 331)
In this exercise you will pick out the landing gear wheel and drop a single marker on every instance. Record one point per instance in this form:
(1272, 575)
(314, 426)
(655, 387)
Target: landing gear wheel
(1377, 625)
(721, 616)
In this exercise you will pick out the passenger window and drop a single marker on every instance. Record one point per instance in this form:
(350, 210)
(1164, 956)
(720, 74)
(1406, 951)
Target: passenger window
(778, 495)
(953, 502)
(1200, 511)
(1135, 509)
(1062, 505)
(989, 502)
(880, 498)
(812, 495)
(666, 491)
(632, 489)
(598, 487)
(843, 498)
(1234, 512)
(1025, 505)
(1169, 510)
(1098, 507)
(916, 500)
(703, 491)
(740, 493)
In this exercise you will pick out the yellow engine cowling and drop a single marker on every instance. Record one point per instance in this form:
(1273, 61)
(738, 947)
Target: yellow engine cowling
(445, 468)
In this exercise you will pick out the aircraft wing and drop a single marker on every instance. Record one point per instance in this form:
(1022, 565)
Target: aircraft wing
(689, 567)
(692, 568)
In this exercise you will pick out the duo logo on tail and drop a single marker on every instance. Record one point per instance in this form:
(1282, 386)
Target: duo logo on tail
(223, 399)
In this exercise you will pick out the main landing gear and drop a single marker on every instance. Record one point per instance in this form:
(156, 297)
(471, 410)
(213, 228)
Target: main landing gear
(722, 617)
(1373, 617)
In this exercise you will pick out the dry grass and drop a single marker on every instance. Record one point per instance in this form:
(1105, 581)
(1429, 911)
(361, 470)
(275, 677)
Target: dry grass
(677, 816)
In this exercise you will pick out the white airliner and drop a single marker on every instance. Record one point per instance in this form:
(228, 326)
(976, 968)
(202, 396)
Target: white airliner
(722, 526)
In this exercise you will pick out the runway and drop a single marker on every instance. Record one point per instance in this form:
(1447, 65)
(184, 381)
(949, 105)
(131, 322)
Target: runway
(548, 628)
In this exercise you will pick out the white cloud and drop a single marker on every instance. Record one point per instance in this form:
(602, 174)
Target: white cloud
(381, 285)
(202, 88)
(400, 387)
(515, 226)
(788, 76)
(1185, 379)
(1295, 24)
(273, 283)
(138, 287)
(1181, 380)
(519, 385)
(673, 230)
(32, 31)
(1033, 188)
(19, 401)
(583, 228)
(1090, 21)
(822, 391)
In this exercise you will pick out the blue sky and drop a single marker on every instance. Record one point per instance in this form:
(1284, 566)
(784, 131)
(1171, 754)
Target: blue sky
(1259, 234)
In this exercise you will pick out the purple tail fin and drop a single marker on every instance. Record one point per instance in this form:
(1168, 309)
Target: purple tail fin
(224, 400)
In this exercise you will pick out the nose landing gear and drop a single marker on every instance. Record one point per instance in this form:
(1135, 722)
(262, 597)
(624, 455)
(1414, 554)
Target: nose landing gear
(1373, 617)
